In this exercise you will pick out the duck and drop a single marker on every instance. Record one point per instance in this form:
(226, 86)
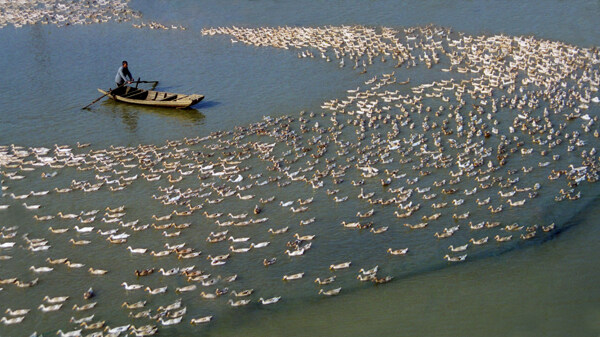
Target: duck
(17, 312)
(74, 264)
(31, 207)
(84, 307)
(93, 326)
(382, 280)
(156, 291)
(169, 272)
(241, 239)
(116, 331)
(332, 292)
(455, 259)
(296, 252)
(54, 300)
(260, 244)
(230, 278)
(278, 231)
(480, 241)
(80, 242)
(83, 319)
(136, 305)
(325, 281)
(339, 266)
(11, 321)
(379, 230)
(74, 333)
(208, 296)
(50, 308)
(88, 294)
(238, 303)
(371, 271)
(291, 277)
(186, 288)
(402, 251)
(131, 286)
(243, 293)
(458, 248)
(137, 250)
(548, 228)
(143, 272)
(172, 321)
(201, 320)
(271, 300)
(304, 237)
(268, 262)
(498, 238)
(84, 229)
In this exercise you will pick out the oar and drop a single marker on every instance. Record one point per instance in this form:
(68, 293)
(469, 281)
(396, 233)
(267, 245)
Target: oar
(145, 82)
(99, 98)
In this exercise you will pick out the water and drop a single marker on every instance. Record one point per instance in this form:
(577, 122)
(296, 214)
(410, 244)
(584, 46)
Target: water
(50, 72)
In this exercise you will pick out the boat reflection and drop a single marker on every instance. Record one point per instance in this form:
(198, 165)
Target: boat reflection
(129, 113)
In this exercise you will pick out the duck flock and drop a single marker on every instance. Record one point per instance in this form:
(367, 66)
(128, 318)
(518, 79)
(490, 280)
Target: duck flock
(73, 12)
(398, 173)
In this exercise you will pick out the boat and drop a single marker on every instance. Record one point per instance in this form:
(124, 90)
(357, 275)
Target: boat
(139, 96)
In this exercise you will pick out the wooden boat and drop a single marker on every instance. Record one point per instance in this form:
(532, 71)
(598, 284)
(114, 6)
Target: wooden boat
(133, 95)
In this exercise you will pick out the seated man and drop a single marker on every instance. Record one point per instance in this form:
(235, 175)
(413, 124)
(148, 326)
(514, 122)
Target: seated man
(122, 75)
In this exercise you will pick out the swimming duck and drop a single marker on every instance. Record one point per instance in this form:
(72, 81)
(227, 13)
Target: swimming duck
(92, 326)
(260, 244)
(156, 291)
(136, 305)
(325, 281)
(50, 308)
(73, 333)
(296, 252)
(291, 277)
(502, 239)
(74, 264)
(331, 292)
(244, 293)
(186, 288)
(143, 272)
(339, 266)
(18, 312)
(11, 321)
(458, 248)
(201, 320)
(397, 251)
(209, 296)
(84, 307)
(238, 303)
(379, 230)
(137, 250)
(268, 262)
(88, 294)
(371, 271)
(480, 241)
(455, 259)
(278, 231)
(270, 300)
(81, 320)
(54, 300)
(304, 237)
(80, 242)
(117, 330)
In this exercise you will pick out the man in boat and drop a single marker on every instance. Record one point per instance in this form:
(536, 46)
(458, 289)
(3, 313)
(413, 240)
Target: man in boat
(122, 75)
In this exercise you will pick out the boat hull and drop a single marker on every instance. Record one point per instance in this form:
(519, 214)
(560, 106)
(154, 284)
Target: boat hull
(133, 95)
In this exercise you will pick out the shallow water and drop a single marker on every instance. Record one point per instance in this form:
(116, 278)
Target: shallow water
(496, 293)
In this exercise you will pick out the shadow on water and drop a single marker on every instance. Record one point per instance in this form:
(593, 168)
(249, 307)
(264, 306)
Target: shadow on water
(130, 113)
(207, 104)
